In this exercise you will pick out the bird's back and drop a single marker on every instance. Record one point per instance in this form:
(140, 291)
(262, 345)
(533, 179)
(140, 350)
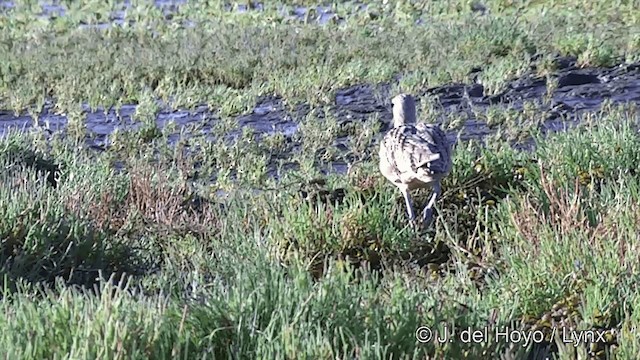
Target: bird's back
(418, 151)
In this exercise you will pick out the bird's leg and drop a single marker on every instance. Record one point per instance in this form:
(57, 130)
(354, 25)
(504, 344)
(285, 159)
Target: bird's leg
(407, 200)
(427, 213)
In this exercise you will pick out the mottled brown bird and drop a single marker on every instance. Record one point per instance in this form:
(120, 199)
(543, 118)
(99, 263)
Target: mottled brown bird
(414, 155)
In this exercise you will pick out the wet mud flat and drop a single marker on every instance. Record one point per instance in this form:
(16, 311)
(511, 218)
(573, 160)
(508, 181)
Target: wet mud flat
(575, 92)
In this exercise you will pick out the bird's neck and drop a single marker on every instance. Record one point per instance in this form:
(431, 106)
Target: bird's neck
(401, 118)
(397, 122)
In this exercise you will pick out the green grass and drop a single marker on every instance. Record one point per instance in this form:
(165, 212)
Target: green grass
(135, 252)
(271, 275)
(229, 58)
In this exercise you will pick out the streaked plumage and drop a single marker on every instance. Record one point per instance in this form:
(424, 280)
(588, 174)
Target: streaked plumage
(414, 155)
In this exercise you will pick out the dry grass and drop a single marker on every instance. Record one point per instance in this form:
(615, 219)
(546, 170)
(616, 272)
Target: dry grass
(150, 198)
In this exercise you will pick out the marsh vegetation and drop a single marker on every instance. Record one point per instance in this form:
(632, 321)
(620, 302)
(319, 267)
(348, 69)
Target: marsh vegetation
(201, 181)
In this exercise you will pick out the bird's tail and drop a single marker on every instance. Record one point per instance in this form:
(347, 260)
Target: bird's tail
(431, 168)
(428, 160)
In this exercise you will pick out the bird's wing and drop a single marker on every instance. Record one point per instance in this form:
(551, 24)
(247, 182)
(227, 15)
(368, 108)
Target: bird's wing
(409, 148)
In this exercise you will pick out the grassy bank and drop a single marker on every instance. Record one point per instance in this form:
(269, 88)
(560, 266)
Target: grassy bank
(190, 250)
(271, 274)
(209, 55)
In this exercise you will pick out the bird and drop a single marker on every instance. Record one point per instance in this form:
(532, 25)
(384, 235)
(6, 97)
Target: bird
(414, 155)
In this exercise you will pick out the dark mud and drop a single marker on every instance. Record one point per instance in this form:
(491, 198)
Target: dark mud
(577, 91)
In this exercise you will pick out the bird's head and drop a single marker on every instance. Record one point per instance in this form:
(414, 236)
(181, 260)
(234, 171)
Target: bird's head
(404, 110)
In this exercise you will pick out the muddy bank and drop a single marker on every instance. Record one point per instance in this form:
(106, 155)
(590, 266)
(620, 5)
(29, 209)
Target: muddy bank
(575, 92)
